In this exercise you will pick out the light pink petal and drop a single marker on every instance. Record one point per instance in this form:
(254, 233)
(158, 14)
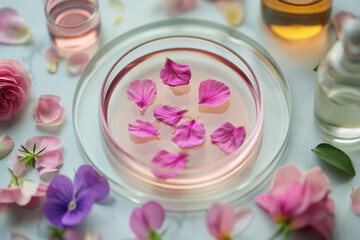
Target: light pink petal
(29, 144)
(143, 129)
(168, 160)
(70, 234)
(47, 111)
(339, 20)
(174, 7)
(18, 236)
(46, 173)
(89, 236)
(154, 214)
(6, 145)
(228, 137)
(10, 194)
(227, 219)
(13, 29)
(52, 57)
(41, 190)
(220, 220)
(175, 74)
(17, 167)
(51, 143)
(51, 159)
(232, 10)
(28, 190)
(189, 134)
(77, 62)
(142, 92)
(139, 224)
(284, 177)
(355, 198)
(243, 218)
(213, 220)
(213, 93)
(169, 115)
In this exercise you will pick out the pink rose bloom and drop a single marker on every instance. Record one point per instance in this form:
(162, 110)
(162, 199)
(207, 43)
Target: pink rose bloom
(15, 84)
(298, 199)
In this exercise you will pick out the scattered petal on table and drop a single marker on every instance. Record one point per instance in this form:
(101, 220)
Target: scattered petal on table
(232, 10)
(228, 137)
(52, 60)
(174, 7)
(118, 4)
(47, 111)
(168, 160)
(175, 74)
(77, 62)
(6, 145)
(142, 92)
(18, 236)
(169, 115)
(189, 134)
(119, 19)
(355, 197)
(339, 20)
(213, 93)
(13, 29)
(243, 218)
(143, 129)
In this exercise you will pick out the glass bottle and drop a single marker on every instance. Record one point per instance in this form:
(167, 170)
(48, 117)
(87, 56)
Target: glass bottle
(296, 19)
(337, 96)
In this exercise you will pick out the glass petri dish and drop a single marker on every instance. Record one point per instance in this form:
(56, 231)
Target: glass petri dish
(260, 100)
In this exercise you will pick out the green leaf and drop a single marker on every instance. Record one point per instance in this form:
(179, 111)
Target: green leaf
(316, 68)
(335, 157)
(154, 236)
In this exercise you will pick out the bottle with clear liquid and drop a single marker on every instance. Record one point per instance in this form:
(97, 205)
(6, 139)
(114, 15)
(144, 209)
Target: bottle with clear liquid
(337, 96)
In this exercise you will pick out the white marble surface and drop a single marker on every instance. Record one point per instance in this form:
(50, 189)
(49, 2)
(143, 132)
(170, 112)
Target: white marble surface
(295, 59)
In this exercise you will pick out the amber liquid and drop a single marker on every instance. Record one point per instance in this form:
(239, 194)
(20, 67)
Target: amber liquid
(296, 19)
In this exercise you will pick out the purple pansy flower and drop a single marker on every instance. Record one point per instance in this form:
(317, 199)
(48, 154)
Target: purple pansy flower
(68, 203)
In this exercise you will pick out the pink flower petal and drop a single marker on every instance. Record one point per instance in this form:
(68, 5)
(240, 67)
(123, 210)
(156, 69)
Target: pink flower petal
(175, 74)
(355, 197)
(339, 20)
(243, 218)
(139, 224)
(189, 134)
(13, 29)
(47, 111)
(52, 60)
(6, 145)
(143, 129)
(228, 137)
(174, 7)
(284, 177)
(213, 93)
(70, 234)
(170, 161)
(77, 62)
(220, 220)
(17, 167)
(142, 92)
(18, 236)
(169, 115)
(154, 214)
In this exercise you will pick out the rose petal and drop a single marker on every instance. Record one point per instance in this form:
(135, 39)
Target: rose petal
(52, 60)
(174, 7)
(213, 93)
(189, 134)
(168, 160)
(13, 29)
(175, 74)
(228, 137)
(18, 236)
(143, 129)
(6, 145)
(77, 62)
(47, 111)
(169, 115)
(142, 92)
(355, 197)
(154, 214)
(243, 218)
(232, 10)
(339, 20)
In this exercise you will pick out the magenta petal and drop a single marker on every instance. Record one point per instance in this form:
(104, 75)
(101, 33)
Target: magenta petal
(213, 93)
(143, 129)
(142, 92)
(169, 115)
(175, 74)
(189, 134)
(168, 160)
(228, 137)
(139, 224)
(154, 214)
(13, 29)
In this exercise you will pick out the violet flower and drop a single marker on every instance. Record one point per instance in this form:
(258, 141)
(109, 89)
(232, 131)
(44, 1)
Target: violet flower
(68, 203)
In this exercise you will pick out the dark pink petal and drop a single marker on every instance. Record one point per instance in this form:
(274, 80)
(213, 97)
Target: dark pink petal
(168, 160)
(52, 60)
(213, 93)
(189, 134)
(355, 199)
(169, 115)
(228, 137)
(139, 224)
(142, 92)
(154, 214)
(175, 74)
(13, 29)
(77, 62)
(143, 129)
(339, 20)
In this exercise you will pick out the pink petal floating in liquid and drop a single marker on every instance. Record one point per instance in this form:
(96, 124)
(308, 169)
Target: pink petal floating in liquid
(213, 93)
(339, 20)
(168, 160)
(52, 60)
(143, 129)
(355, 197)
(169, 115)
(189, 134)
(13, 29)
(175, 74)
(228, 137)
(77, 62)
(142, 92)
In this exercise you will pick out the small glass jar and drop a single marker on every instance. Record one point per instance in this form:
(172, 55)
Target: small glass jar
(296, 19)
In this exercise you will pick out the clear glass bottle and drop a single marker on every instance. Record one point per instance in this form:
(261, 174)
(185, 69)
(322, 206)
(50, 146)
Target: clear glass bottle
(337, 96)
